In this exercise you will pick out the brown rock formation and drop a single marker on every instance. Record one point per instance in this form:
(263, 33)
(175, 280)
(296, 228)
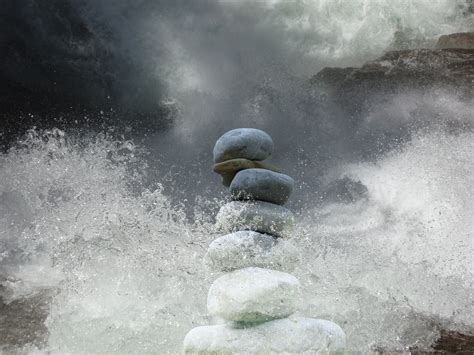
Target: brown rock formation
(22, 322)
(403, 69)
(456, 40)
(396, 72)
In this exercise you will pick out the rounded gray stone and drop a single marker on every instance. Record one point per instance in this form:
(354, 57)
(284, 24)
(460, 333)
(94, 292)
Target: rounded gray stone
(258, 216)
(247, 248)
(262, 184)
(253, 295)
(247, 143)
(298, 335)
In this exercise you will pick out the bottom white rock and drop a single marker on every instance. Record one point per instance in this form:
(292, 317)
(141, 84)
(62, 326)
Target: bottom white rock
(291, 335)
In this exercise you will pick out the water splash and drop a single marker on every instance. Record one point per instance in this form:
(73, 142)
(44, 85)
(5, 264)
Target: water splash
(395, 266)
(125, 264)
(122, 262)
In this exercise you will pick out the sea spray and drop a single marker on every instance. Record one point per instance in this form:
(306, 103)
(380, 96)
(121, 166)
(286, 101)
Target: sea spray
(117, 261)
(396, 264)
(127, 271)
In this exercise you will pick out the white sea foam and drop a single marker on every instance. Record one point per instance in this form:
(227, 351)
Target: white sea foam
(124, 263)
(395, 266)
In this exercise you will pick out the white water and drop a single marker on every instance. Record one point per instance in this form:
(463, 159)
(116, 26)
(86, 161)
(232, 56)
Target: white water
(126, 263)
(391, 265)
(129, 267)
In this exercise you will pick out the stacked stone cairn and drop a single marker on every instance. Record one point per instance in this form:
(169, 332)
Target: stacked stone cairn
(256, 296)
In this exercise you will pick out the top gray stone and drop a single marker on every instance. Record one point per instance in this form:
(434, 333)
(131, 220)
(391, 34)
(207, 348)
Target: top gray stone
(247, 143)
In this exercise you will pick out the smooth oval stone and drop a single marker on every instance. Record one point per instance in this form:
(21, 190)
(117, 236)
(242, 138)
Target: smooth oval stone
(227, 169)
(298, 335)
(253, 295)
(258, 216)
(261, 184)
(247, 248)
(247, 143)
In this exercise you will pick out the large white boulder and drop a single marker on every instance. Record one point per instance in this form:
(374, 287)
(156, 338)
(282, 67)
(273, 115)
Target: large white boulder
(247, 143)
(281, 336)
(253, 295)
(243, 249)
(258, 216)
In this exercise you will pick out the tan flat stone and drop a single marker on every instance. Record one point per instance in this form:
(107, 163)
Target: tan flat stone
(227, 169)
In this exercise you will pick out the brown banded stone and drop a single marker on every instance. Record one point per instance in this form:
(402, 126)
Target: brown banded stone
(227, 169)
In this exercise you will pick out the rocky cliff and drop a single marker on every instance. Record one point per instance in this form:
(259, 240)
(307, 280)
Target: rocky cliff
(449, 66)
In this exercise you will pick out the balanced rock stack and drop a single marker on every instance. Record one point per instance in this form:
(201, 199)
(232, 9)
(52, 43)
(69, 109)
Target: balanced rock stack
(256, 295)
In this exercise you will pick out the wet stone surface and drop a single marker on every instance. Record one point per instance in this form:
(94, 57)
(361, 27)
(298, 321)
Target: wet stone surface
(247, 248)
(247, 143)
(22, 321)
(289, 336)
(258, 216)
(253, 295)
(261, 184)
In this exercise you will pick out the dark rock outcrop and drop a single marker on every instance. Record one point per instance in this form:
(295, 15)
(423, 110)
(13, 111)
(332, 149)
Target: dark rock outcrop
(418, 66)
(396, 72)
(402, 69)
(345, 190)
(455, 343)
(456, 40)
(22, 321)
(448, 342)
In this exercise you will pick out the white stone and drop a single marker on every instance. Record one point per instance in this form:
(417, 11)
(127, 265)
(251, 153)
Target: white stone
(247, 143)
(247, 248)
(253, 294)
(262, 184)
(258, 216)
(282, 336)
